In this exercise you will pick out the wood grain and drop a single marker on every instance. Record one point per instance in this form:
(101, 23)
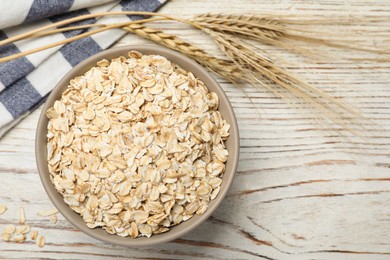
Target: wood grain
(300, 192)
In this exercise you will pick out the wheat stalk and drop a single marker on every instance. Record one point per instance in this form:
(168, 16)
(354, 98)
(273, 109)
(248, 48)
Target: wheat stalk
(89, 16)
(65, 29)
(222, 67)
(67, 40)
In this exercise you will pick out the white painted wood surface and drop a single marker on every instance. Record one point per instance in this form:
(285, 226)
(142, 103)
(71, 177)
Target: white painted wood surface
(298, 194)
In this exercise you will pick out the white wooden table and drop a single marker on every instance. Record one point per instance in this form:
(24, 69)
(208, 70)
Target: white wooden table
(298, 193)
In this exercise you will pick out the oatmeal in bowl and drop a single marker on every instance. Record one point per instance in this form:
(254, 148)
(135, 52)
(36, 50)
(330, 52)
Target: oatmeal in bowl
(138, 146)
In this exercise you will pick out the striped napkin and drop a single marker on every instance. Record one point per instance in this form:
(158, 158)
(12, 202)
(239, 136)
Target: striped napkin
(25, 82)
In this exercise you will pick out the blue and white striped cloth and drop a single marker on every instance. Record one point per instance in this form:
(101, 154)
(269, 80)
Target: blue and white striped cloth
(25, 82)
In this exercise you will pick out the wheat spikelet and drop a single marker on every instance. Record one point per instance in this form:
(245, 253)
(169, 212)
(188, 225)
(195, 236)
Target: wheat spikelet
(248, 25)
(222, 67)
(262, 29)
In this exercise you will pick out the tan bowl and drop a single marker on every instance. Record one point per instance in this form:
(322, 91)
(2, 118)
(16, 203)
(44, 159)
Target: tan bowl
(232, 144)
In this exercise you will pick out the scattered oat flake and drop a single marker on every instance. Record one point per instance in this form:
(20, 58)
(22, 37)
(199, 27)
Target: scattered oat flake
(25, 229)
(8, 232)
(46, 213)
(53, 219)
(22, 216)
(6, 237)
(2, 209)
(40, 241)
(34, 234)
(10, 229)
(19, 238)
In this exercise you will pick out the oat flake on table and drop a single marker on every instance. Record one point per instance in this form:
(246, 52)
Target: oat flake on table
(136, 145)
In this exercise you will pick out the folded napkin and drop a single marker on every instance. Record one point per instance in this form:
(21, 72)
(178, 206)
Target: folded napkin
(25, 82)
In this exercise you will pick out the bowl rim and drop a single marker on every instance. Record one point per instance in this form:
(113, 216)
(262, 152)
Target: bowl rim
(41, 138)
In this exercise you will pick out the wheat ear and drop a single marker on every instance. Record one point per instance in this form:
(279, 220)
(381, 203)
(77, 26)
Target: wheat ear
(275, 31)
(257, 67)
(222, 67)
